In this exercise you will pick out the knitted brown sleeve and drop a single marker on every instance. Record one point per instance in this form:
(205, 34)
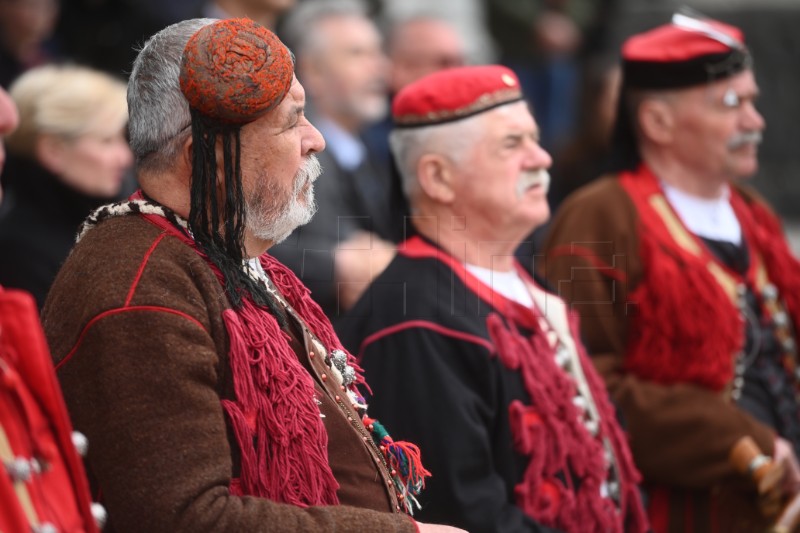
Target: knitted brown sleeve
(137, 346)
(680, 435)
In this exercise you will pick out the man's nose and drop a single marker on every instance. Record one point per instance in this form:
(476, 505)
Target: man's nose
(538, 157)
(314, 141)
(752, 120)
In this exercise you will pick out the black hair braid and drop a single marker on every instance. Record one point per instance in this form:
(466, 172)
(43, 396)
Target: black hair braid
(224, 251)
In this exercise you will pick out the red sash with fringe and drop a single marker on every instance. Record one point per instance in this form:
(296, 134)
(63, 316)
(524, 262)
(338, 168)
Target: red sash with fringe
(688, 329)
(275, 419)
(548, 431)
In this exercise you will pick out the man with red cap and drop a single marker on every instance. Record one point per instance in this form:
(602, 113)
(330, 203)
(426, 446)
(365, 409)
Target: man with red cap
(472, 358)
(215, 393)
(688, 293)
(42, 482)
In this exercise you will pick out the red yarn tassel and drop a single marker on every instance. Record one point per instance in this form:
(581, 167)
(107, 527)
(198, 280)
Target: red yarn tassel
(559, 447)
(300, 299)
(274, 399)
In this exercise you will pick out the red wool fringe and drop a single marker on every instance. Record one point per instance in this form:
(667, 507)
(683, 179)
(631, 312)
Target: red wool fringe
(549, 432)
(783, 269)
(300, 297)
(275, 418)
(676, 300)
(559, 446)
(670, 341)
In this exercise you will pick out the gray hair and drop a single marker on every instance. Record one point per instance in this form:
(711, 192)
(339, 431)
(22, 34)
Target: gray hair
(299, 31)
(159, 113)
(451, 140)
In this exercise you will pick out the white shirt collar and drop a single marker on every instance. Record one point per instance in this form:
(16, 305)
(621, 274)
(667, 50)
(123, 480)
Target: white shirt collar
(508, 284)
(712, 219)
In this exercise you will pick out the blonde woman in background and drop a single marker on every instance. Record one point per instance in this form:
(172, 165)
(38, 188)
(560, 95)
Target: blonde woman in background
(68, 156)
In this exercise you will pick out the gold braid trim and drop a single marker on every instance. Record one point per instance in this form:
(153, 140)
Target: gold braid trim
(484, 102)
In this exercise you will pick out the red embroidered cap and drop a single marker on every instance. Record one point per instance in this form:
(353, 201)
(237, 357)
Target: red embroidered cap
(454, 94)
(688, 51)
(235, 70)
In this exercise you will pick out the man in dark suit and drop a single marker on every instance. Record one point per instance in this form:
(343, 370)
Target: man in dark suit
(340, 62)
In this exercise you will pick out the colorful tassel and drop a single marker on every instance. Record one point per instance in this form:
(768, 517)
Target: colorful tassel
(405, 464)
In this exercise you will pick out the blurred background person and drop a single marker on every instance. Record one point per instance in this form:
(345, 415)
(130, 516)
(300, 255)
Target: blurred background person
(344, 71)
(68, 156)
(416, 46)
(420, 45)
(9, 119)
(26, 28)
(541, 40)
(466, 17)
(586, 155)
(265, 12)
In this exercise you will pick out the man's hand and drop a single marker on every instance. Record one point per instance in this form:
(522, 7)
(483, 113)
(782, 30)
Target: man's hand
(784, 453)
(437, 528)
(768, 474)
(358, 261)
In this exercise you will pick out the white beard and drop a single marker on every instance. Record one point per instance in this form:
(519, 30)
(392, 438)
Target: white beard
(276, 222)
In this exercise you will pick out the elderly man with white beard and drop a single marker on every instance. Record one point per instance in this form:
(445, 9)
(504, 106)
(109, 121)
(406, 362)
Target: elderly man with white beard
(214, 391)
(474, 360)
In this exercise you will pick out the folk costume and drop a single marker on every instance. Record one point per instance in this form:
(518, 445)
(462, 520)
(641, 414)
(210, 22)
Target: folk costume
(216, 391)
(693, 332)
(43, 485)
(514, 423)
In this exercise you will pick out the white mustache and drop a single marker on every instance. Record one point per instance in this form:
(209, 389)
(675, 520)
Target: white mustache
(740, 139)
(308, 173)
(531, 178)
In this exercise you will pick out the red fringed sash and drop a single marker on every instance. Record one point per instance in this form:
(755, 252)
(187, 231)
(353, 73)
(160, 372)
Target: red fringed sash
(548, 431)
(671, 340)
(276, 421)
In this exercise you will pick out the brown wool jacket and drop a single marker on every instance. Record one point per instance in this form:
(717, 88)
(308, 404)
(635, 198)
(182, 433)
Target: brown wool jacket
(681, 435)
(134, 321)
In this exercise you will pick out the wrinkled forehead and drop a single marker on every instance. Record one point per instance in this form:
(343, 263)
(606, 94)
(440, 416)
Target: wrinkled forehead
(516, 115)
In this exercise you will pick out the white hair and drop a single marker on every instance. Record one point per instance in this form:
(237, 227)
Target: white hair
(451, 139)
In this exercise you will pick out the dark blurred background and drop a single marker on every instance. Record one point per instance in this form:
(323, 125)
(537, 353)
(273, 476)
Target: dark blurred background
(105, 34)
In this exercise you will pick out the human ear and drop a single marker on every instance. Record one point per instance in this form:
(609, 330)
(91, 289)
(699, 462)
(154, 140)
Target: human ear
(657, 120)
(435, 175)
